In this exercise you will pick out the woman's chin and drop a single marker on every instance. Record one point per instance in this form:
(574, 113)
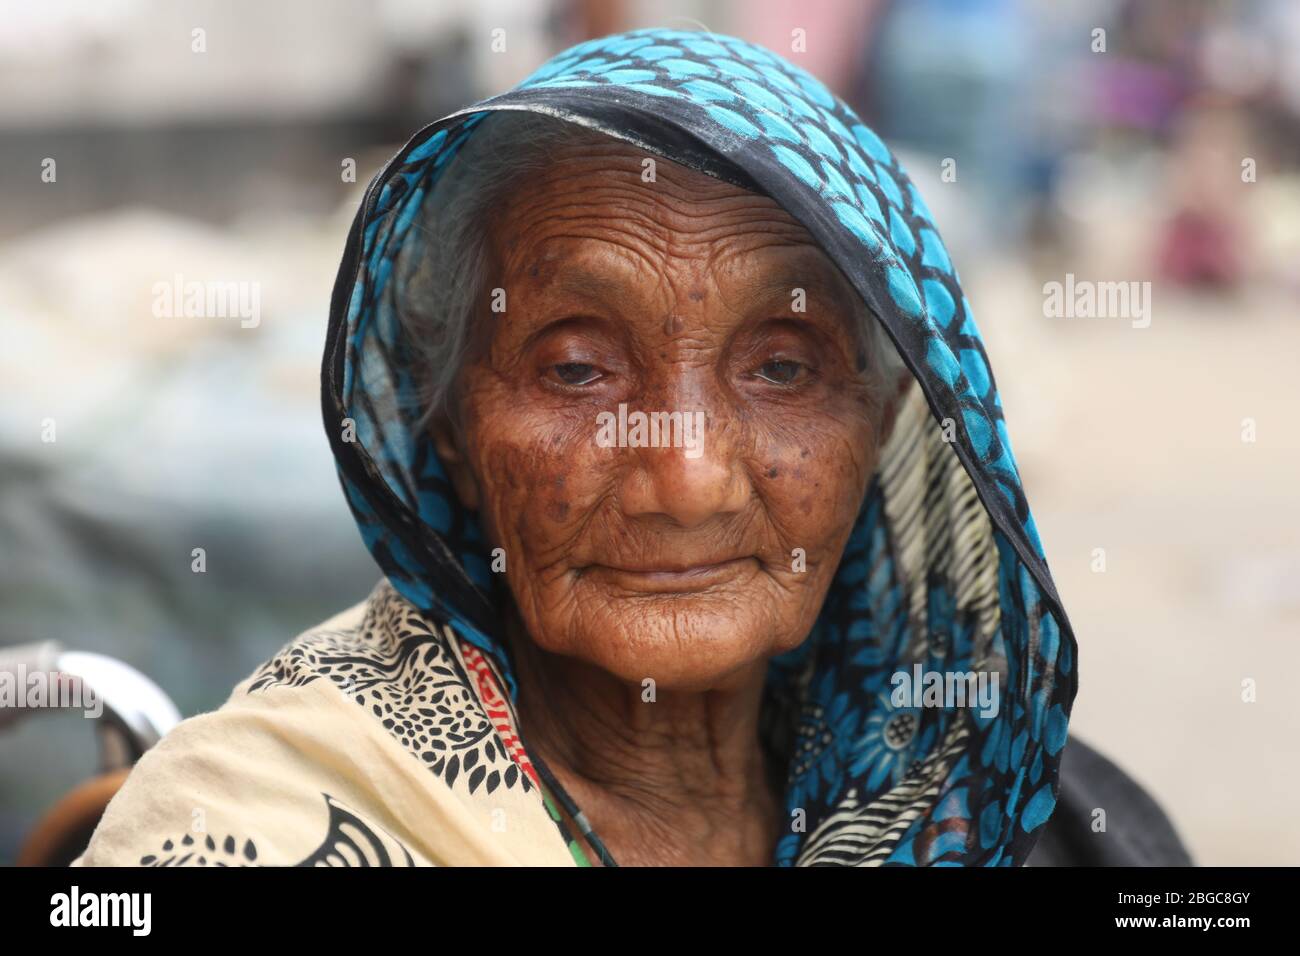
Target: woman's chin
(698, 645)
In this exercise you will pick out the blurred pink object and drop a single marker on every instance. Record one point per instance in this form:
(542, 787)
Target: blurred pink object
(1197, 249)
(835, 33)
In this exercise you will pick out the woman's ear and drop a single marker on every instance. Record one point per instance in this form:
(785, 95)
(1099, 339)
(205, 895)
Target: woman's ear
(448, 442)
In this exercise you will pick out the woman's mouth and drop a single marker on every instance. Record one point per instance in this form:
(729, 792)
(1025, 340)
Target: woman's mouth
(673, 577)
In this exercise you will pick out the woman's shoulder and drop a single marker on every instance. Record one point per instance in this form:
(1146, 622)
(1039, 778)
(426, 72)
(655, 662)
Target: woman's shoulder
(1104, 817)
(353, 733)
(365, 630)
(271, 776)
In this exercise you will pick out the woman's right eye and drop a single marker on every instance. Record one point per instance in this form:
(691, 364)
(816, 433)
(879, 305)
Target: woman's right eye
(575, 373)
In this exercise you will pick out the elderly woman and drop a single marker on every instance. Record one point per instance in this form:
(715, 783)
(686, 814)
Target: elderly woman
(659, 404)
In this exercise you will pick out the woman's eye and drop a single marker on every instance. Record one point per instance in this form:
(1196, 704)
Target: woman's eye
(780, 371)
(576, 373)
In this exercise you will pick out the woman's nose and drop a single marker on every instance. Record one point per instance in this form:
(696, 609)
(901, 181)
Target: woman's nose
(691, 484)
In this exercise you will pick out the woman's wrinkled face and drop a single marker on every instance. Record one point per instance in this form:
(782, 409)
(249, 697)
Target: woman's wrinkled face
(687, 557)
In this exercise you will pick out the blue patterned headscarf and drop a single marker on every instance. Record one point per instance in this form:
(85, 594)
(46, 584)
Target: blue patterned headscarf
(944, 569)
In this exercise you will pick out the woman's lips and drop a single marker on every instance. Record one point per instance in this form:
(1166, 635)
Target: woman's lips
(673, 579)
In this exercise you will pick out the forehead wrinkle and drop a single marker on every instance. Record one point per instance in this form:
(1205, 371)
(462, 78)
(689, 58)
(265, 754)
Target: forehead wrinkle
(807, 268)
(641, 218)
(592, 155)
(602, 213)
(596, 268)
(679, 196)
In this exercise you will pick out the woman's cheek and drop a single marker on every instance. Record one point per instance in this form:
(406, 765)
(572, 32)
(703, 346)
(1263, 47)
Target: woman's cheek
(538, 473)
(812, 481)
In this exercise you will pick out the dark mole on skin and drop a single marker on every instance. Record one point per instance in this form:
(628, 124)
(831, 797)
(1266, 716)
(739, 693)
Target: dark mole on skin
(772, 472)
(804, 453)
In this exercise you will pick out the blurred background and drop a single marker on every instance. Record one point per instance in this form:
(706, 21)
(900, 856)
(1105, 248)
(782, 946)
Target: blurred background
(1164, 149)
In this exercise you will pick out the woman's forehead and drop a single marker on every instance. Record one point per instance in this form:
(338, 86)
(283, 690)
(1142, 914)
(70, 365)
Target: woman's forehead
(590, 168)
(592, 262)
(596, 212)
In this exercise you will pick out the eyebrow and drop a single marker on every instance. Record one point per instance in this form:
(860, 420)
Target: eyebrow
(817, 278)
(590, 284)
(607, 285)
(594, 285)
(603, 287)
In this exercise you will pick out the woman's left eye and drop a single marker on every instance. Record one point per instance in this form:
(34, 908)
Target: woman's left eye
(780, 371)
(576, 373)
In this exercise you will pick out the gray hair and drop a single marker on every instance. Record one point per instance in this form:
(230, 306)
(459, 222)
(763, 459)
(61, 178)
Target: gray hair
(441, 270)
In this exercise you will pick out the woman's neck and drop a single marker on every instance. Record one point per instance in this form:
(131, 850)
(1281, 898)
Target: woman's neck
(666, 778)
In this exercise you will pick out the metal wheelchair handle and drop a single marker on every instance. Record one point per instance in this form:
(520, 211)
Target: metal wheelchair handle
(136, 711)
(19, 660)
